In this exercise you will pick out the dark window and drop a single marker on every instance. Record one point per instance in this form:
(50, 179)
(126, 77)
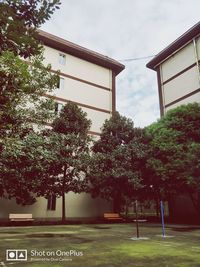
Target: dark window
(58, 107)
(61, 83)
(51, 202)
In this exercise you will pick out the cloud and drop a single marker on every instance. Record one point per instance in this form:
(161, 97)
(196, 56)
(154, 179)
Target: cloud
(127, 29)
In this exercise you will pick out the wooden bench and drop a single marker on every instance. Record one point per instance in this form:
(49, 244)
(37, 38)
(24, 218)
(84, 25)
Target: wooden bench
(21, 217)
(112, 216)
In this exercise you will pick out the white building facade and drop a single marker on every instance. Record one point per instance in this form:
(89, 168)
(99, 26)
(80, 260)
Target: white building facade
(87, 78)
(178, 71)
(178, 76)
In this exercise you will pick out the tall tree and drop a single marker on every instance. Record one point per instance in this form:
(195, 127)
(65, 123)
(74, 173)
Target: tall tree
(117, 161)
(175, 146)
(69, 143)
(22, 111)
(22, 85)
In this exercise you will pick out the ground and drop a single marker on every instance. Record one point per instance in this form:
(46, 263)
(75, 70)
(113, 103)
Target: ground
(105, 245)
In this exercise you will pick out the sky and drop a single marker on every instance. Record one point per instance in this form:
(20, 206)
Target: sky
(128, 29)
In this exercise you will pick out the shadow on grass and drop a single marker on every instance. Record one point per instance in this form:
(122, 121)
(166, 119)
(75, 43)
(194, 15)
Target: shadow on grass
(185, 229)
(74, 239)
(10, 232)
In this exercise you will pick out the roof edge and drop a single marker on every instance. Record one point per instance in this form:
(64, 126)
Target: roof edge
(79, 51)
(178, 43)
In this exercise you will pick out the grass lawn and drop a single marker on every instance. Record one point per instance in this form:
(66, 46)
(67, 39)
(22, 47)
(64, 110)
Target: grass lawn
(105, 245)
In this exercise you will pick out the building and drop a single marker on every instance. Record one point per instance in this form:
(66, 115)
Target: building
(87, 78)
(178, 75)
(178, 71)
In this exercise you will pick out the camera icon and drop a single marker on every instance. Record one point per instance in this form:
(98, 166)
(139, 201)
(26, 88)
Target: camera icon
(16, 255)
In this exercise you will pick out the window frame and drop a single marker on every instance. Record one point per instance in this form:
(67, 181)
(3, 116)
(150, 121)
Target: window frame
(58, 107)
(62, 59)
(61, 83)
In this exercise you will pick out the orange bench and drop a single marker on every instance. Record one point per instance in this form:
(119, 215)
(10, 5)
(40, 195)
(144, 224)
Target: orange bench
(112, 216)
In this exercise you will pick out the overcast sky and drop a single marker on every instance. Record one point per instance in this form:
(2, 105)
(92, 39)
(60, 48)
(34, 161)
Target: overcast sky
(124, 30)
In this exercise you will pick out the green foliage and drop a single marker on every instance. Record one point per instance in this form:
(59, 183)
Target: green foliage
(19, 20)
(72, 120)
(22, 105)
(21, 88)
(175, 160)
(69, 144)
(23, 164)
(118, 161)
(22, 84)
(118, 130)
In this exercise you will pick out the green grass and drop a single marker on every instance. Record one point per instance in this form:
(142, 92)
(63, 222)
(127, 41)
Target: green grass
(106, 245)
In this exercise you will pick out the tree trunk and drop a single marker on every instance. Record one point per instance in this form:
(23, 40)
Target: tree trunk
(63, 208)
(63, 196)
(126, 209)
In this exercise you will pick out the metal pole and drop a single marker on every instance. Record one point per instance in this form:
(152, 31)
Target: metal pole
(136, 212)
(162, 218)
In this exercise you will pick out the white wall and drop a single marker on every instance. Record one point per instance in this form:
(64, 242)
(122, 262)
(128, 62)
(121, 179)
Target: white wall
(178, 62)
(80, 91)
(85, 94)
(190, 99)
(77, 206)
(177, 81)
(181, 85)
(78, 67)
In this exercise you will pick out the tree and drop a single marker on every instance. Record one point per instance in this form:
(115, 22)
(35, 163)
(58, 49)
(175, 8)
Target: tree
(22, 107)
(116, 131)
(24, 162)
(22, 110)
(118, 161)
(69, 143)
(22, 86)
(19, 20)
(175, 153)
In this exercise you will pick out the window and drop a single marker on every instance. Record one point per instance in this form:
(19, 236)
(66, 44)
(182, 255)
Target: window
(62, 59)
(61, 83)
(51, 202)
(58, 107)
